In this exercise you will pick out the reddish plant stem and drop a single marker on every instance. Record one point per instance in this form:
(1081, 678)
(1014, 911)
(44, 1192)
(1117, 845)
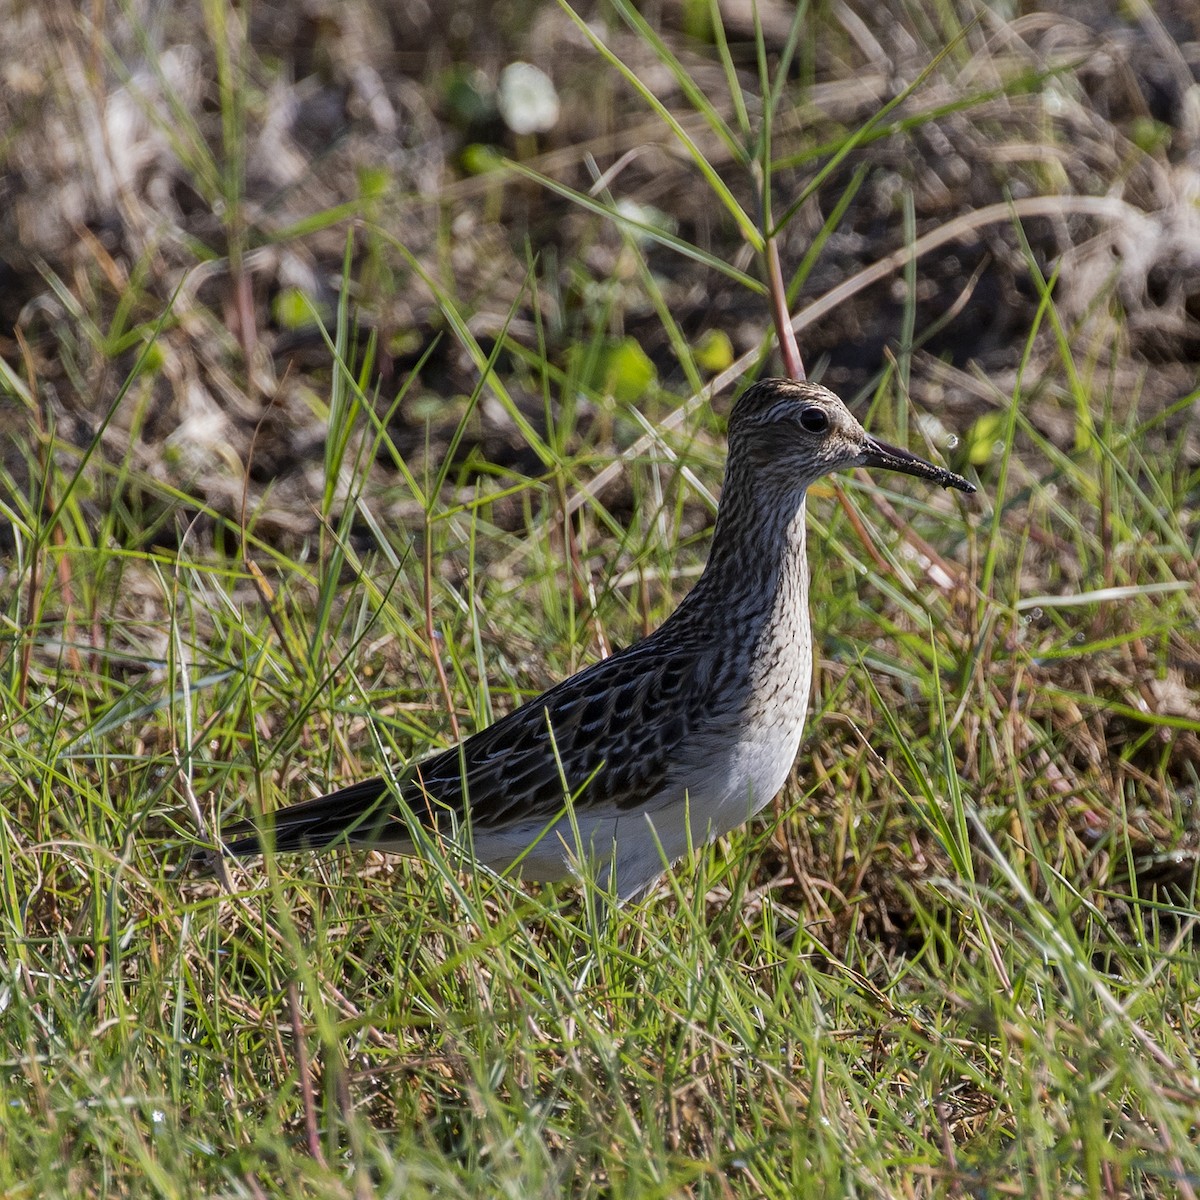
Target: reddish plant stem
(793, 364)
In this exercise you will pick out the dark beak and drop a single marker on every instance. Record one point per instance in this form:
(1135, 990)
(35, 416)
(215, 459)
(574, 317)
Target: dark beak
(892, 458)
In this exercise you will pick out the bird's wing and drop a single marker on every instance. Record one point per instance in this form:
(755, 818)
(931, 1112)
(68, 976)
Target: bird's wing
(361, 813)
(607, 736)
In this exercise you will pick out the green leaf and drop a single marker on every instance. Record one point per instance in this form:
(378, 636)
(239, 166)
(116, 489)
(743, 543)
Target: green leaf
(620, 368)
(983, 437)
(374, 182)
(291, 309)
(628, 371)
(714, 351)
(480, 159)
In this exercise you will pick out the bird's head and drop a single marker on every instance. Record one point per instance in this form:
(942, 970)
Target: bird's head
(793, 433)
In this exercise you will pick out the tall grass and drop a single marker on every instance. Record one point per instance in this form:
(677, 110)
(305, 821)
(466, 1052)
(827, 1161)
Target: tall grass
(955, 958)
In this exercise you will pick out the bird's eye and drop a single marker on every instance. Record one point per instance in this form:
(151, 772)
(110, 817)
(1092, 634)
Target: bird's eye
(813, 419)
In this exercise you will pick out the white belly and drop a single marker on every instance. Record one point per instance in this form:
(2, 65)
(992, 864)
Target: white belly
(722, 791)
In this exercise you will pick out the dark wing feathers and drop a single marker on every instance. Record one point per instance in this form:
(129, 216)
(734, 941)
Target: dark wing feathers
(609, 733)
(359, 812)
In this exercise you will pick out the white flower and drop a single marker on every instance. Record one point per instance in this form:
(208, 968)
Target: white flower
(527, 99)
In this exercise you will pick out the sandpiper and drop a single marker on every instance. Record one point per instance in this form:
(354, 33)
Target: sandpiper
(667, 744)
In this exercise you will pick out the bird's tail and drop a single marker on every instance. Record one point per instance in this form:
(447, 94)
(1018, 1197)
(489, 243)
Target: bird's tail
(364, 813)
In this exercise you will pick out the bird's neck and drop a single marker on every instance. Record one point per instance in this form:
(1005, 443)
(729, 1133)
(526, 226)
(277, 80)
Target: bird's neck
(757, 571)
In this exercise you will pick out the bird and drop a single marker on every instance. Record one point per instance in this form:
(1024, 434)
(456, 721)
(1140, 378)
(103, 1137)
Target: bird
(667, 744)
